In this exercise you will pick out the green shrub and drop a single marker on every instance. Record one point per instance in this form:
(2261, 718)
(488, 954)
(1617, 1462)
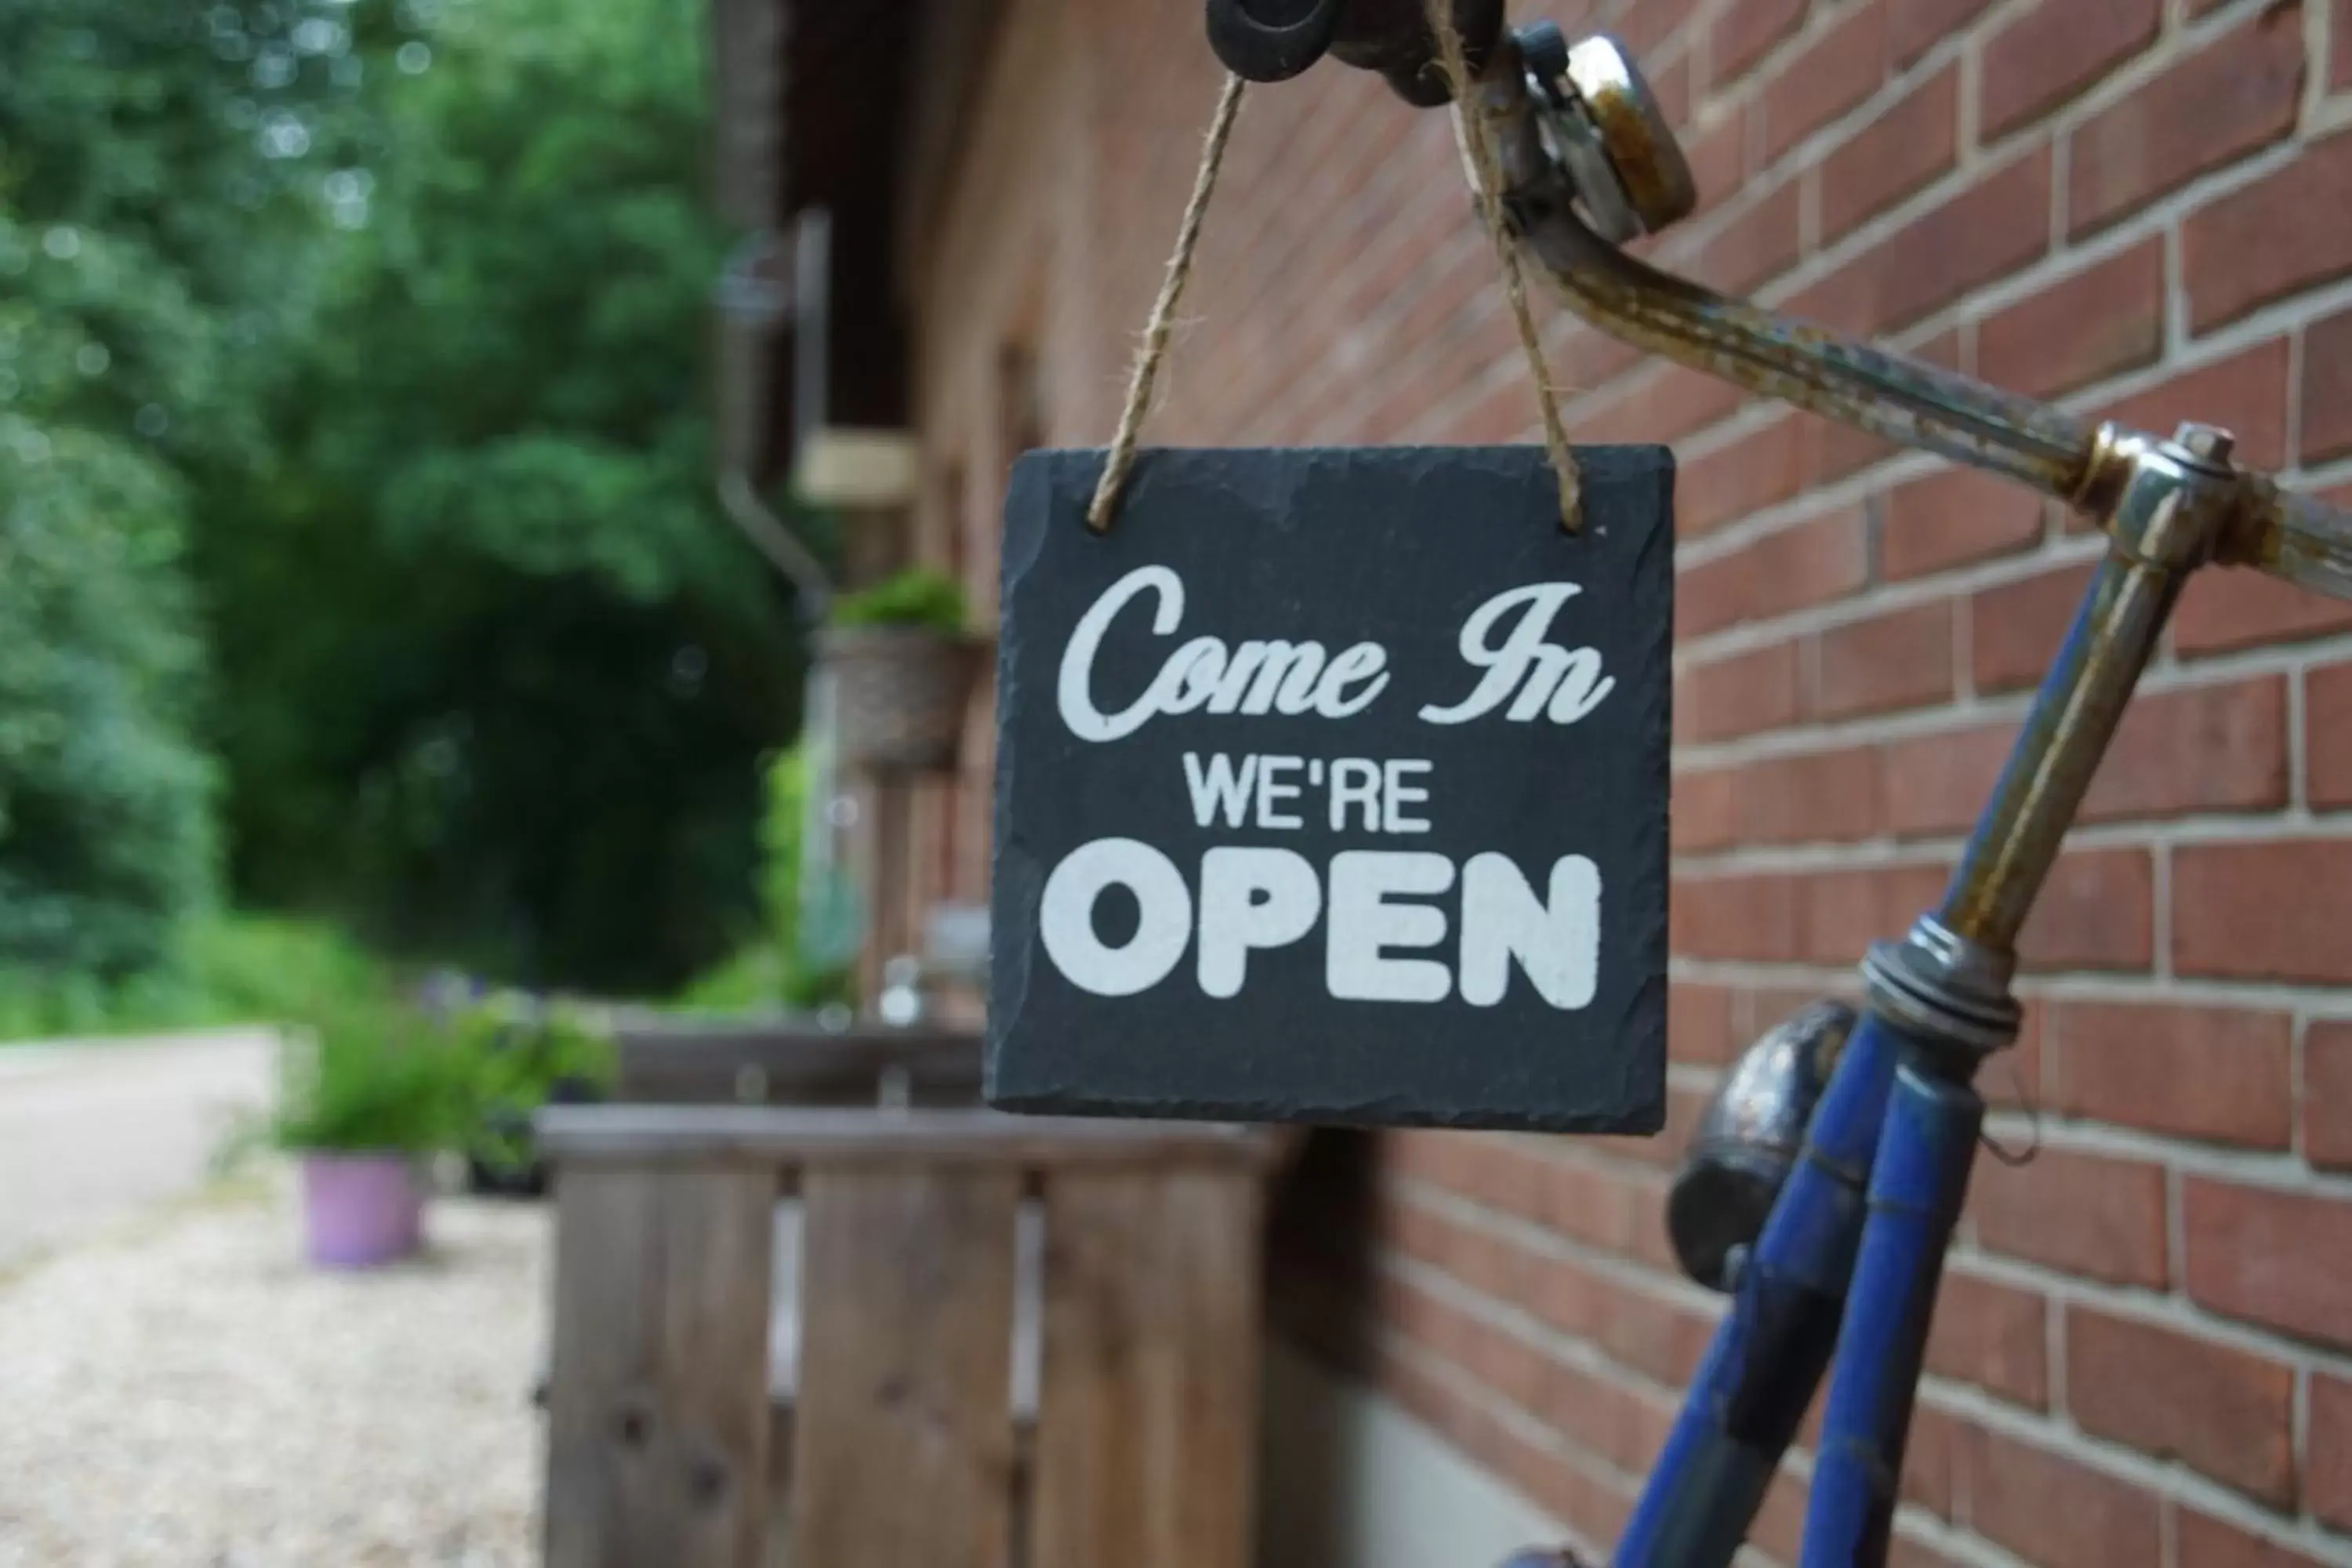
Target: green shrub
(916, 598)
(521, 1053)
(218, 968)
(374, 1079)
(803, 958)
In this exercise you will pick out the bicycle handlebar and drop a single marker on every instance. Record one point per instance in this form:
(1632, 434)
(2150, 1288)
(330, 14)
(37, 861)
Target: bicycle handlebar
(2294, 537)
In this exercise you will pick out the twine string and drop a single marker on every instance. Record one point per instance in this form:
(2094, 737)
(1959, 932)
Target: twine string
(1486, 186)
(1153, 350)
(1485, 170)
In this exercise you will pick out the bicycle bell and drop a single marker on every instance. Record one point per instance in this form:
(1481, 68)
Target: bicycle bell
(1748, 1142)
(1602, 125)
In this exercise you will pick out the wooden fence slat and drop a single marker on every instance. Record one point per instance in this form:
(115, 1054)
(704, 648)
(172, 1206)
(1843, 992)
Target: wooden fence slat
(658, 1390)
(903, 1445)
(1147, 1418)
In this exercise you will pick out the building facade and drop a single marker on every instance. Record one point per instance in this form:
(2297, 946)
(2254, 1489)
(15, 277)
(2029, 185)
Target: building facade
(2140, 207)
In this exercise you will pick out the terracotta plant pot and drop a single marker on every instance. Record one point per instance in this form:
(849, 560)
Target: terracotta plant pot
(899, 696)
(360, 1211)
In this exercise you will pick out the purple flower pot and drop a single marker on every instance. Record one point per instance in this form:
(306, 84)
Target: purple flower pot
(360, 1211)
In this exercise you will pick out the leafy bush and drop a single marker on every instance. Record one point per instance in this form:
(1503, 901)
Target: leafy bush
(219, 969)
(919, 597)
(376, 1079)
(803, 955)
(522, 1052)
(496, 672)
(106, 833)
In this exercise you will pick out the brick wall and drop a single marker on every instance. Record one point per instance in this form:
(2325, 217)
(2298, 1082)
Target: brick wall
(2144, 207)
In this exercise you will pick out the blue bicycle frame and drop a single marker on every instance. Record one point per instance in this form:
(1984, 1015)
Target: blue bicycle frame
(1841, 1278)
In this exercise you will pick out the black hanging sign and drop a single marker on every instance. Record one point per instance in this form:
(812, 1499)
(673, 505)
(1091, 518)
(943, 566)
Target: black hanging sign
(1331, 786)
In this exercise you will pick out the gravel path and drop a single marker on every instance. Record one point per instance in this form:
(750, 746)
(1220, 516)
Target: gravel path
(184, 1392)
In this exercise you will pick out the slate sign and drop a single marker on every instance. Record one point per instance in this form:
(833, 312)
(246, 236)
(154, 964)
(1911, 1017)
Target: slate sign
(1331, 786)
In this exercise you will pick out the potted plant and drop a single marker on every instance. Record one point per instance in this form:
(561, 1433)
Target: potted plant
(524, 1053)
(902, 667)
(369, 1094)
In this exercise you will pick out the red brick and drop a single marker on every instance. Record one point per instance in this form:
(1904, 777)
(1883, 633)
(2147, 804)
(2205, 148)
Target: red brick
(1746, 29)
(1718, 156)
(2202, 748)
(2204, 1542)
(1751, 917)
(1901, 659)
(2265, 911)
(2053, 52)
(2097, 910)
(1704, 811)
(1983, 233)
(2327, 1095)
(1993, 1335)
(1840, 913)
(2327, 735)
(1765, 465)
(2327, 1462)
(1653, 1333)
(2326, 391)
(1736, 696)
(2233, 608)
(1699, 1024)
(2105, 319)
(1915, 26)
(1910, 1551)
(1952, 518)
(1645, 23)
(1830, 75)
(2270, 1256)
(2211, 1073)
(1666, 407)
(1902, 148)
(2213, 107)
(2245, 394)
(1756, 246)
(1928, 1458)
(1818, 797)
(2054, 1510)
(1939, 783)
(2085, 1214)
(2288, 231)
(2174, 1395)
(2015, 630)
(1594, 1205)
(1809, 564)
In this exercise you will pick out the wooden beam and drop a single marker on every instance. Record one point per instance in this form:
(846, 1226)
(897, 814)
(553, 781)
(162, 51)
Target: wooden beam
(658, 1385)
(903, 1423)
(778, 1136)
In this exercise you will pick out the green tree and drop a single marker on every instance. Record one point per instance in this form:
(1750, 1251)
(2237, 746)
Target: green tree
(496, 675)
(160, 166)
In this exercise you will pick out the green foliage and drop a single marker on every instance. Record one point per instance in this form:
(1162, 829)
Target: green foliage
(167, 174)
(221, 969)
(801, 957)
(374, 1078)
(919, 597)
(258, 969)
(105, 825)
(521, 1053)
(496, 673)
